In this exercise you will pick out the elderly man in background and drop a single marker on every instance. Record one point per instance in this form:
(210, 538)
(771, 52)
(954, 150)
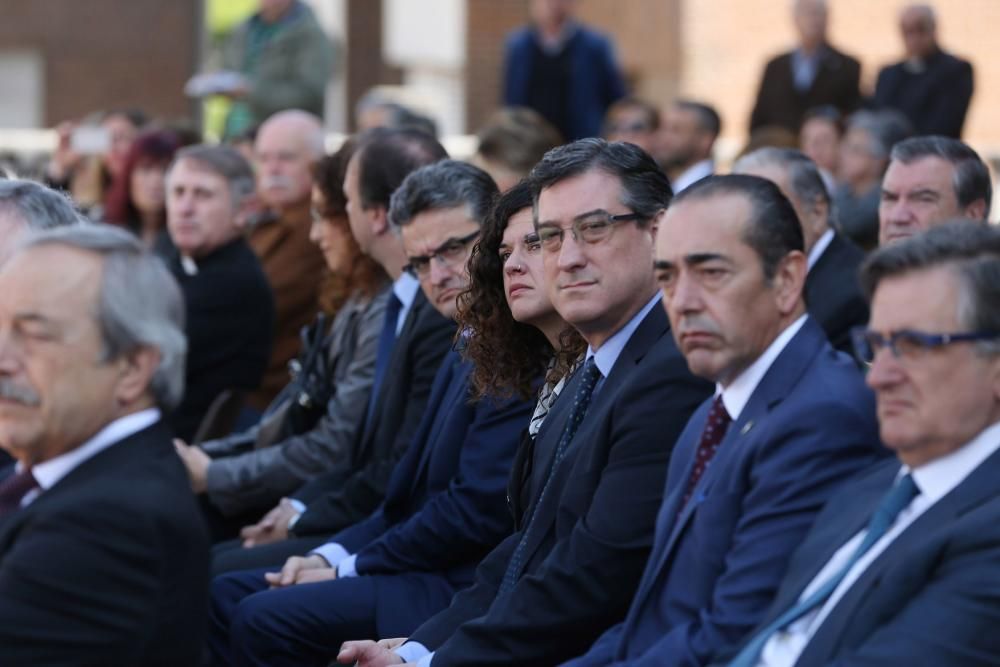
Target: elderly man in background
(26, 207)
(288, 144)
(103, 557)
(931, 181)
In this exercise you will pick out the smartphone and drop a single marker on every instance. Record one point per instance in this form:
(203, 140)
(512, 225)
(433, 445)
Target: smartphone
(90, 140)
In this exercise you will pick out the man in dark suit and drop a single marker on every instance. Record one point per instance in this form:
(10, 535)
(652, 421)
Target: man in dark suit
(444, 509)
(930, 87)
(790, 421)
(600, 456)
(103, 557)
(414, 339)
(832, 292)
(813, 75)
(900, 569)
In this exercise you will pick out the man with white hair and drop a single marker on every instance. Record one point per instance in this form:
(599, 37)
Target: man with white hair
(288, 144)
(26, 206)
(103, 556)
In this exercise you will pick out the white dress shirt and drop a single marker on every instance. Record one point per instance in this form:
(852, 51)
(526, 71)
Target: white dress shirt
(934, 480)
(822, 243)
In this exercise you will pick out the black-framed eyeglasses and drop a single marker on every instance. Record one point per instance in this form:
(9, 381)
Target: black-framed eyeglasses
(909, 344)
(592, 228)
(449, 253)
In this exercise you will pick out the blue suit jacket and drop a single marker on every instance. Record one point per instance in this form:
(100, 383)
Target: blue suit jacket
(931, 598)
(595, 79)
(716, 565)
(446, 505)
(592, 531)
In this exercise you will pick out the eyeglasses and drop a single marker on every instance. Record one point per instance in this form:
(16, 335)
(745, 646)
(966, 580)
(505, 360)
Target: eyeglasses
(593, 228)
(907, 344)
(449, 253)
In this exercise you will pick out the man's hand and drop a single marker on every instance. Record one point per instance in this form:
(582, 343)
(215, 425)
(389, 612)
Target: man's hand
(367, 653)
(272, 528)
(296, 567)
(196, 462)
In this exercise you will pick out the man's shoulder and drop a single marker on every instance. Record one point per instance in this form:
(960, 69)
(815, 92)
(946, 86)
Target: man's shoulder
(840, 59)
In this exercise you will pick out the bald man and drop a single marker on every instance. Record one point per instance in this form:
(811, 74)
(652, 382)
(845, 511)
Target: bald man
(930, 87)
(288, 144)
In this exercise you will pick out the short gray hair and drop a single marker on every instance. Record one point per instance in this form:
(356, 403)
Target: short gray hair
(139, 303)
(442, 185)
(885, 129)
(971, 250)
(971, 178)
(224, 161)
(804, 178)
(39, 207)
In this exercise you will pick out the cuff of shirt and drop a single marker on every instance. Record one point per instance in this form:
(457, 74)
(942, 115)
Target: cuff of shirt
(345, 568)
(332, 552)
(413, 652)
(300, 507)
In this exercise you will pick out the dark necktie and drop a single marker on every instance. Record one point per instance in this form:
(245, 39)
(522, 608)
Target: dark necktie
(588, 380)
(386, 340)
(13, 489)
(715, 429)
(894, 502)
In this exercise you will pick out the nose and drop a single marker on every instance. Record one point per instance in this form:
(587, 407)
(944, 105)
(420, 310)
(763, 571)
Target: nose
(440, 273)
(571, 255)
(684, 295)
(899, 212)
(8, 355)
(513, 264)
(884, 370)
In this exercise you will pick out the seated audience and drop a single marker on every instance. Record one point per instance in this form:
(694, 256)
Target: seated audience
(930, 181)
(864, 156)
(413, 339)
(229, 307)
(633, 120)
(313, 423)
(597, 468)
(444, 507)
(287, 147)
(511, 142)
(103, 557)
(900, 568)
(819, 138)
(790, 421)
(832, 293)
(685, 142)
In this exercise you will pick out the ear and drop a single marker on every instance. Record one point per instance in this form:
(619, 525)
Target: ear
(789, 281)
(135, 372)
(976, 210)
(380, 220)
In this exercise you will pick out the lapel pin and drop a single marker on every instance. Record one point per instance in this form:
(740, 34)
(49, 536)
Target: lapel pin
(746, 427)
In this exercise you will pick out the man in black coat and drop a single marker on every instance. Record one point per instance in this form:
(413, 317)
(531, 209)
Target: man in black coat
(103, 557)
(814, 74)
(930, 87)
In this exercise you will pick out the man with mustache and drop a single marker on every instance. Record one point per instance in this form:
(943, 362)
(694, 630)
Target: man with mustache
(287, 145)
(103, 555)
(791, 420)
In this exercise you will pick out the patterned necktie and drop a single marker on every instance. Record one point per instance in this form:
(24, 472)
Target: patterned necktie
(894, 502)
(13, 489)
(715, 429)
(588, 380)
(386, 340)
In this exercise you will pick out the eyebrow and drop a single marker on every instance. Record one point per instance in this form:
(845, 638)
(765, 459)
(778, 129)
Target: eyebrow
(662, 265)
(578, 216)
(697, 258)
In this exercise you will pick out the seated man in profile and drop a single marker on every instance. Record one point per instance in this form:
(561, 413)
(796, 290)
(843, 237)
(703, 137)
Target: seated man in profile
(103, 557)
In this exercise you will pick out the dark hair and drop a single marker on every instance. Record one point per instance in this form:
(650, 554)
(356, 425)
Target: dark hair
(365, 275)
(773, 230)
(971, 249)
(708, 118)
(516, 138)
(151, 147)
(386, 156)
(650, 112)
(508, 356)
(971, 180)
(444, 184)
(645, 188)
(885, 129)
(828, 113)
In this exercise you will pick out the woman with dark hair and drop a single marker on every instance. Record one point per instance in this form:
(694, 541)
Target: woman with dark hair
(137, 197)
(311, 426)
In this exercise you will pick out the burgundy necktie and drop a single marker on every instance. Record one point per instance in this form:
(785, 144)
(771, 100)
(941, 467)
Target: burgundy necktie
(715, 429)
(13, 489)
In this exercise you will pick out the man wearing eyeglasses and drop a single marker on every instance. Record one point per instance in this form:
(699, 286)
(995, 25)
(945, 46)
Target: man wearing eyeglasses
(597, 470)
(791, 420)
(901, 568)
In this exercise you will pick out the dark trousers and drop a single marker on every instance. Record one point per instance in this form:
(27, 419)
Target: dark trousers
(306, 624)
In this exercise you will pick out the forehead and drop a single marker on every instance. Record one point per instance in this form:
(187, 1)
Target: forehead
(429, 229)
(280, 138)
(63, 281)
(925, 300)
(518, 227)
(682, 117)
(711, 225)
(589, 191)
(930, 172)
(774, 173)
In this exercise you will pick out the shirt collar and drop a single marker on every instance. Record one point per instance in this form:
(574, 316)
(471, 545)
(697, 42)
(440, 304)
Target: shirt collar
(692, 174)
(51, 471)
(736, 396)
(608, 354)
(405, 288)
(822, 243)
(940, 476)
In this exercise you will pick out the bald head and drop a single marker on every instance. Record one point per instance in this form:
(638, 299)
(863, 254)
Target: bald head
(287, 145)
(918, 24)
